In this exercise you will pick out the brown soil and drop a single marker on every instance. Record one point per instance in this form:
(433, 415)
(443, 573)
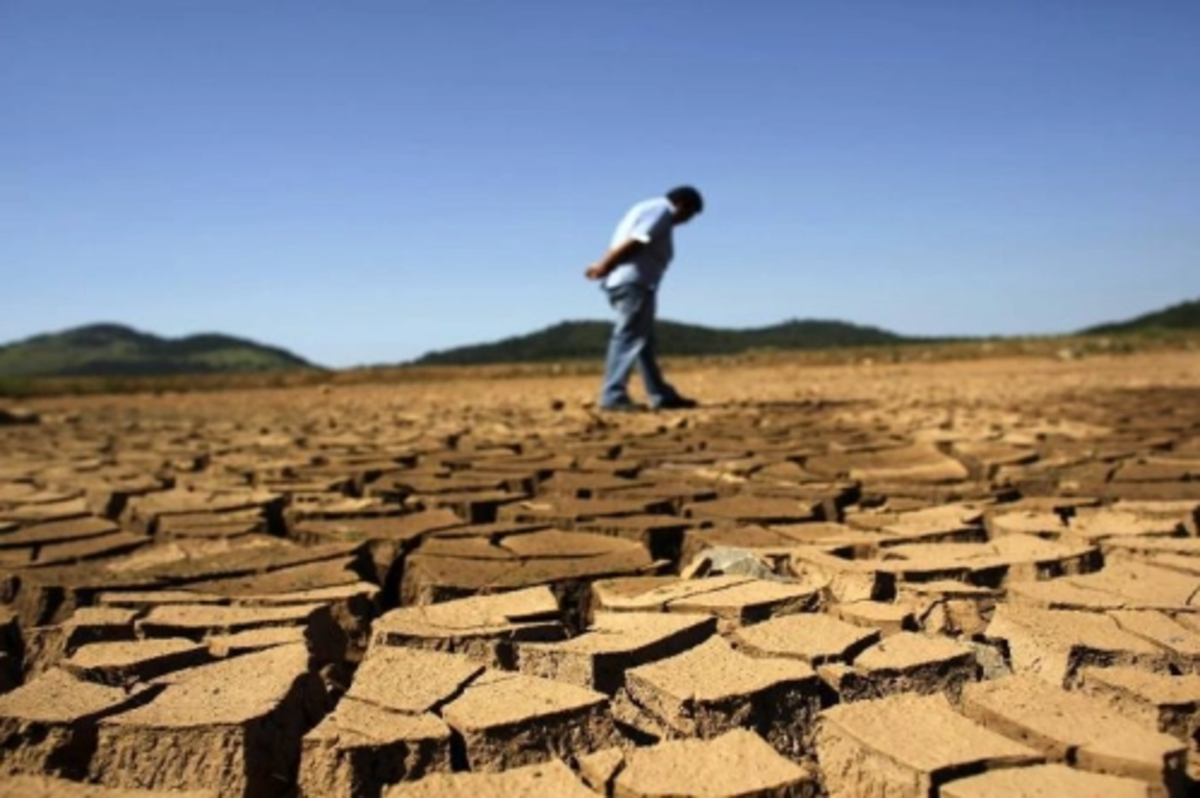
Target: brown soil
(971, 579)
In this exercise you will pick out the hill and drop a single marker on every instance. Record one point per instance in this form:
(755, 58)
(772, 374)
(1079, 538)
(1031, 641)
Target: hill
(115, 350)
(1184, 316)
(572, 340)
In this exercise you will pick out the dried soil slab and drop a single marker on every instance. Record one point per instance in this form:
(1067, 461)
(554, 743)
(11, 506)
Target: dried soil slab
(949, 607)
(845, 579)
(910, 663)
(354, 606)
(1074, 728)
(745, 509)
(584, 485)
(222, 646)
(1100, 524)
(614, 643)
(508, 720)
(661, 535)
(1170, 704)
(1143, 587)
(149, 599)
(388, 537)
(551, 778)
(1038, 523)
(862, 751)
(565, 512)
(93, 548)
(712, 689)
(1181, 643)
(919, 463)
(749, 602)
(565, 560)
(889, 619)
(46, 725)
(410, 680)
(735, 764)
(46, 512)
(733, 600)
(472, 506)
(125, 663)
(655, 593)
(361, 748)
(234, 726)
(1053, 644)
(47, 787)
(46, 646)
(814, 638)
(202, 621)
(38, 535)
(484, 628)
(1044, 781)
(143, 513)
(43, 596)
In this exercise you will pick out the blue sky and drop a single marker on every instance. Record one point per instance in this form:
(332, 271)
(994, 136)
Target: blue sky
(362, 182)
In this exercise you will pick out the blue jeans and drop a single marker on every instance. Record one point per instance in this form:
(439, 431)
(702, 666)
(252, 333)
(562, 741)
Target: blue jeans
(633, 344)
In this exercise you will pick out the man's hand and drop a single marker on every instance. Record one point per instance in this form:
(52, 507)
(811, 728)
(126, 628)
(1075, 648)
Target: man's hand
(615, 256)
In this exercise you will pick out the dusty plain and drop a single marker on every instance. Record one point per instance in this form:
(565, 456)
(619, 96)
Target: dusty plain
(973, 578)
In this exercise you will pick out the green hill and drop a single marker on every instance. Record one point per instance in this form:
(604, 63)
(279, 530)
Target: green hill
(115, 350)
(571, 340)
(1184, 316)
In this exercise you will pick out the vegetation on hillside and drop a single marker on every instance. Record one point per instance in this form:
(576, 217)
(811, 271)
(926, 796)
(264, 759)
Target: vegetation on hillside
(578, 340)
(1184, 316)
(110, 350)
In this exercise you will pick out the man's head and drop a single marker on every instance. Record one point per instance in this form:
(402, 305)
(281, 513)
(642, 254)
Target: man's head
(687, 202)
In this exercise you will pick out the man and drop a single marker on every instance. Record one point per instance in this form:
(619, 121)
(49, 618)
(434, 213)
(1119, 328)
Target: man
(642, 248)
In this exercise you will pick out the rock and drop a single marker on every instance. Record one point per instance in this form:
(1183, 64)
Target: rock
(861, 752)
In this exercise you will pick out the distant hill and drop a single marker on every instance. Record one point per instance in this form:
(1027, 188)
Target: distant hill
(572, 340)
(115, 350)
(1184, 316)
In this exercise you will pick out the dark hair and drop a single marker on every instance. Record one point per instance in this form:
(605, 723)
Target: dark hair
(686, 195)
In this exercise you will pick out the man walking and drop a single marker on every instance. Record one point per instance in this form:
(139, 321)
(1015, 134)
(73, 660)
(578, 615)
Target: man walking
(642, 248)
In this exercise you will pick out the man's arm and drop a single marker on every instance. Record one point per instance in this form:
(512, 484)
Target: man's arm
(618, 254)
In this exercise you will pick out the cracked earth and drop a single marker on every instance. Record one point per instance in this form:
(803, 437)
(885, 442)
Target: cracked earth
(958, 579)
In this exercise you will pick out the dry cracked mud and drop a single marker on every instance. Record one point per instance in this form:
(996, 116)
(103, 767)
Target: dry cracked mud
(967, 580)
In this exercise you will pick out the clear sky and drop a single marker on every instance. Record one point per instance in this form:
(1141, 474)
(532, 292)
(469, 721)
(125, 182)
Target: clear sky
(362, 182)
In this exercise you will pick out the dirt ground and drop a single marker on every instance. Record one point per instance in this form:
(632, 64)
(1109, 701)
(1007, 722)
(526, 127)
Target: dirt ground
(978, 578)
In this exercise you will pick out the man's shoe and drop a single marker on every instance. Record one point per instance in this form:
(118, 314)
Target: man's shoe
(624, 407)
(678, 403)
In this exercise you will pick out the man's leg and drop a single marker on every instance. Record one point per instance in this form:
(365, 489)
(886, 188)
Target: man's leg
(629, 336)
(658, 390)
